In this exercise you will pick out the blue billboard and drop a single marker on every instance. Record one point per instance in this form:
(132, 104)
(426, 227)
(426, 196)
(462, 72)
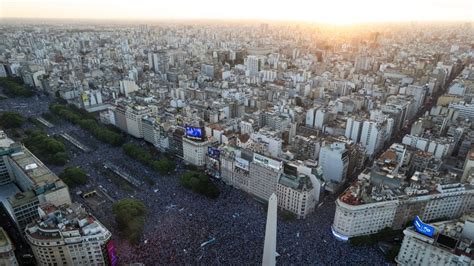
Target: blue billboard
(213, 152)
(423, 228)
(194, 132)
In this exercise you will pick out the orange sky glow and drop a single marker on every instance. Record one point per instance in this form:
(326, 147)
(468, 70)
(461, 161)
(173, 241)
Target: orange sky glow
(334, 11)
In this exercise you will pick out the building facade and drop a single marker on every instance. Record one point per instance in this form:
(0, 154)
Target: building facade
(30, 181)
(194, 151)
(69, 236)
(296, 194)
(362, 214)
(264, 175)
(450, 245)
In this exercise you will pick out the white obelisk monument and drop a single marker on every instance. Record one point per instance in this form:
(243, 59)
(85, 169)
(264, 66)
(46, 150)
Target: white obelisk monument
(269, 248)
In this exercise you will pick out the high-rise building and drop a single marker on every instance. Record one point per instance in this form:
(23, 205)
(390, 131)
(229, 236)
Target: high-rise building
(161, 62)
(208, 70)
(68, 235)
(440, 243)
(310, 117)
(194, 151)
(321, 118)
(129, 118)
(372, 137)
(296, 194)
(151, 130)
(353, 129)
(252, 65)
(175, 138)
(334, 161)
(466, 110)
(468, 165)
(269, 142)
(234, 168)
(264, 176)
(375, 202)
(28, 184)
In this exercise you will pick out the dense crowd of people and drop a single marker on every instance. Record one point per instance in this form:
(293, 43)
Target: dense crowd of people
(180, 221)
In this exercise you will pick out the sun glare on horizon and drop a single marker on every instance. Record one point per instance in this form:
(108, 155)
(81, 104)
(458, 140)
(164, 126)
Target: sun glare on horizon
(340, 12)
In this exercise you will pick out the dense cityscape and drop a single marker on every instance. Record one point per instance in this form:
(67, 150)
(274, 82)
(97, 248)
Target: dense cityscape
(161, 143)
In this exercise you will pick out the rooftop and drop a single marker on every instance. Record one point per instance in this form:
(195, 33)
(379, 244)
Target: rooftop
(38, 173)
(454, 236)
(300, 182)
(373, 187)
(64, 222)
(22, 198)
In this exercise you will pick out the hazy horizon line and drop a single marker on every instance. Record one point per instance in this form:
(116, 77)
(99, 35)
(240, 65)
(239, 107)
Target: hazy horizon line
(246, 20)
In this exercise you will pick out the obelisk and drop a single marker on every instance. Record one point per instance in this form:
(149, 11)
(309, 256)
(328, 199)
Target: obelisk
(269, 247)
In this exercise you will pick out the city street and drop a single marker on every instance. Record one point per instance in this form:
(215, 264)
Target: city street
(180, 220)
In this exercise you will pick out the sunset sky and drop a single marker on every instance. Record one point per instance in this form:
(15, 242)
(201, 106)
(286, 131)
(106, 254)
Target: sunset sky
(332, 11)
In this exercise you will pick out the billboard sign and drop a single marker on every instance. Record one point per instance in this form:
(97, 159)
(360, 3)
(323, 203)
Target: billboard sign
(290, 170)
(194, 133)
(242, 164)
(423, 228)
(213, 152)
(267, 161)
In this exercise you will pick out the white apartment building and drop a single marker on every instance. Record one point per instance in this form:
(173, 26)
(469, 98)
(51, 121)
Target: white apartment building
(468, 165)
(151, 130)
(451, 244)
(129, 118)
(264, 176)
(310, 117)
(69, 236)
(296, 194)
(128, 86)
(321, 118)
(271, 143)
(466, 110)
(246, 127)
(360, 211)
(30, 181)
(353, 129)
(251, 65)
(334, 161)
(372, 137)
(194, 151)
(439, 147)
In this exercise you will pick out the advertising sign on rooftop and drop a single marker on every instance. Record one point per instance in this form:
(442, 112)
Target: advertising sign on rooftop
(242, 164)
(267, 161)
(213, 152)
(423, 228)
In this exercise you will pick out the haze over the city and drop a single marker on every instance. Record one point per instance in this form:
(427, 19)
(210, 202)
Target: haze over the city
(271, 132)
(333, 12)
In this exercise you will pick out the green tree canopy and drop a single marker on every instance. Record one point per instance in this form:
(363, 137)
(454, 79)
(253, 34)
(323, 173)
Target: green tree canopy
(87, 122)
(200, 183)
(130, 218)
(47, 148)
(74, 176)
(13, 88)
(163, 166)
(11, 120)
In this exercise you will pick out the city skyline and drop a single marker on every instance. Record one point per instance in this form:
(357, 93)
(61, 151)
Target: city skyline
(335, 12)
(236, 133)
